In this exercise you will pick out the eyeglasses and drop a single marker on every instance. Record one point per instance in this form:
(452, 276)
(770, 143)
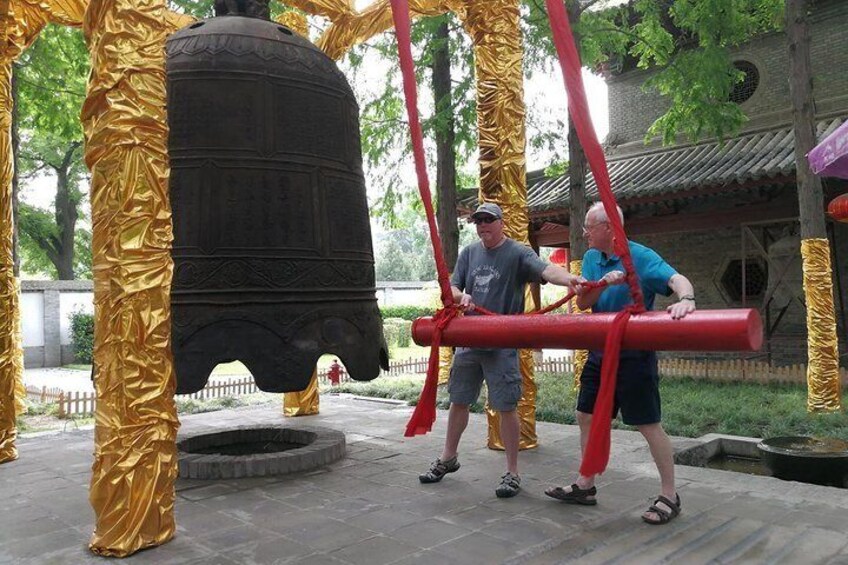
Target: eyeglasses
(485, 220)
(588, 227)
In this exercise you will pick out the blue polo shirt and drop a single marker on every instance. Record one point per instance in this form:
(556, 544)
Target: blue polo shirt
(652, 269)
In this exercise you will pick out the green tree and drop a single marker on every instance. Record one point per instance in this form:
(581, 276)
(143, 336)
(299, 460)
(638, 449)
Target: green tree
(441, 47)
(686, 43)
(50, 89)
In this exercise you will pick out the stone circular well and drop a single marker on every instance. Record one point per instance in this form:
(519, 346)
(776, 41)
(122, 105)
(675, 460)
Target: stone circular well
(807, 459)
(257, 451)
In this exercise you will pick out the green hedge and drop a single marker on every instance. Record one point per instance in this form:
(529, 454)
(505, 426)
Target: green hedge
(406, 312)
(82, 336)
(397, 326)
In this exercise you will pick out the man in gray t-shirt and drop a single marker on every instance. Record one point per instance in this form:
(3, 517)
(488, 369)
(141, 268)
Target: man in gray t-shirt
(491, 274)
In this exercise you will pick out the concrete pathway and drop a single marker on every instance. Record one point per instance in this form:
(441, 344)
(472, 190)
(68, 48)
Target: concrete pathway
(369, 508)
(69, 380)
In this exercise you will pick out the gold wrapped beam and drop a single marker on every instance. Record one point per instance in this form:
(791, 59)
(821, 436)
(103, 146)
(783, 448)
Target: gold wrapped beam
(20, 24)
(124, 120)
(824, 389)
(67, 12)
(350, 27)
(303, 403)
(295, 21)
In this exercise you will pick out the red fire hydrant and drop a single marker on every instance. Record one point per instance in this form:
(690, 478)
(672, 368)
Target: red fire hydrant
(335, 373)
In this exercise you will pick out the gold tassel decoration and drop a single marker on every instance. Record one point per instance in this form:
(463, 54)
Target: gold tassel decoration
(824, 389)
(125, 126)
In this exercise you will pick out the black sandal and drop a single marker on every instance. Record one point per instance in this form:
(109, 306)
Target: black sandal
(664, 515)
(576, 495)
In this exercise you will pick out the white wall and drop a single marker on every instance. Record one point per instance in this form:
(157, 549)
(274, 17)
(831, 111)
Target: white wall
(32, 318)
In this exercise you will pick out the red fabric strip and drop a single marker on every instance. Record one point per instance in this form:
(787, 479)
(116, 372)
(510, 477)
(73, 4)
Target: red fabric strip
(597, 453)
(424, 414)
(400, 14)
(578, 107)
(596, 456)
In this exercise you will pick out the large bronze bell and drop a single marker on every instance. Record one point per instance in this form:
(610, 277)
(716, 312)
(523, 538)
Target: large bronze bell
(272, 246)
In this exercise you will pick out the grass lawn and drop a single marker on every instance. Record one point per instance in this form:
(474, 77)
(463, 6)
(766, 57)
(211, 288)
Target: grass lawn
(41, 417)
(691, 408)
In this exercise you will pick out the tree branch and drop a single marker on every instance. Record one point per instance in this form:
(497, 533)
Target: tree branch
(53, 90)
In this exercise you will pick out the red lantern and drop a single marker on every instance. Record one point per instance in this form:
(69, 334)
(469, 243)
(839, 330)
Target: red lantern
(838, 208)
(560, 256)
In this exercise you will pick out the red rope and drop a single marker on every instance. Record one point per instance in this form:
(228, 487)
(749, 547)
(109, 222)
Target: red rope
(596, 456)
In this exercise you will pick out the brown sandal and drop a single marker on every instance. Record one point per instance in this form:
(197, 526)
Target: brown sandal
(576, 495)
(664, 515)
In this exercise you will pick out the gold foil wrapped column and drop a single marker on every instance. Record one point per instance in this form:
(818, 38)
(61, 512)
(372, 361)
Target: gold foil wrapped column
(495, 32)
(135, 466)
(20, 24)
(303, 403)
(9, 311)
(18, 360)
(526, 404)
(824, 390)
(580, 355)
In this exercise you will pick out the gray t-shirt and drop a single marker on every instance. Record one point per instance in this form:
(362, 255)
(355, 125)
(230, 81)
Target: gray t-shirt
(495, 278)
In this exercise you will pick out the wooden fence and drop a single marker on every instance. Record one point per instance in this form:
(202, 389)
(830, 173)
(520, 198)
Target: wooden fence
(78, 403)
(81, 403)
(736, 370)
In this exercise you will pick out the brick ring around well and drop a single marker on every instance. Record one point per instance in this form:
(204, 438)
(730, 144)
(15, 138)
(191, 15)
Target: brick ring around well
(259, 450)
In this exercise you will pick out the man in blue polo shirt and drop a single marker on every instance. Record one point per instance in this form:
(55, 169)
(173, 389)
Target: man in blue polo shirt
(637, 387)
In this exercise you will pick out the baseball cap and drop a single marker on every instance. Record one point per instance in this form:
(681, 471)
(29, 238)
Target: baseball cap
(488, 208)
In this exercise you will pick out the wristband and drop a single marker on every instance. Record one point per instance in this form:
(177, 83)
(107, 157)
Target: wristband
(688, 297)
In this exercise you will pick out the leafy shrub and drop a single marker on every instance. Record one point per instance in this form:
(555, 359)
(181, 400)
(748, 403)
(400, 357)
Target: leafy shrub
(82, 336)
(41, 409)
(406, 312)
(398, 332)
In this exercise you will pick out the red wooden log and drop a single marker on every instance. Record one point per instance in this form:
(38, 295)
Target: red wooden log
(703, 330)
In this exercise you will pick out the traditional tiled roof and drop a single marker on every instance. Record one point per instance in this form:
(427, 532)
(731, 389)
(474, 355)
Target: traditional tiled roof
(750, 157)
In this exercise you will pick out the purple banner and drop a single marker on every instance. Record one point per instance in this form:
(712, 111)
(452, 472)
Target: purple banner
(830, 157)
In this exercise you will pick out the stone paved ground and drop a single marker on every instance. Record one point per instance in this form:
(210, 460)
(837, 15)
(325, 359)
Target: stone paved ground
(370, 509)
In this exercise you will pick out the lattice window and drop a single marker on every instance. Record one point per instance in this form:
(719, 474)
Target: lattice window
(742, 91)
(756, 279)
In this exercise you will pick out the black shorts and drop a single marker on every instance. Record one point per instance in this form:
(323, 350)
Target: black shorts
(637, 390)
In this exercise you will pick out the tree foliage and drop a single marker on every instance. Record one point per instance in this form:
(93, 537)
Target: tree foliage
(686, 44)
(51, 80)
(386, 146)
(405, 254)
